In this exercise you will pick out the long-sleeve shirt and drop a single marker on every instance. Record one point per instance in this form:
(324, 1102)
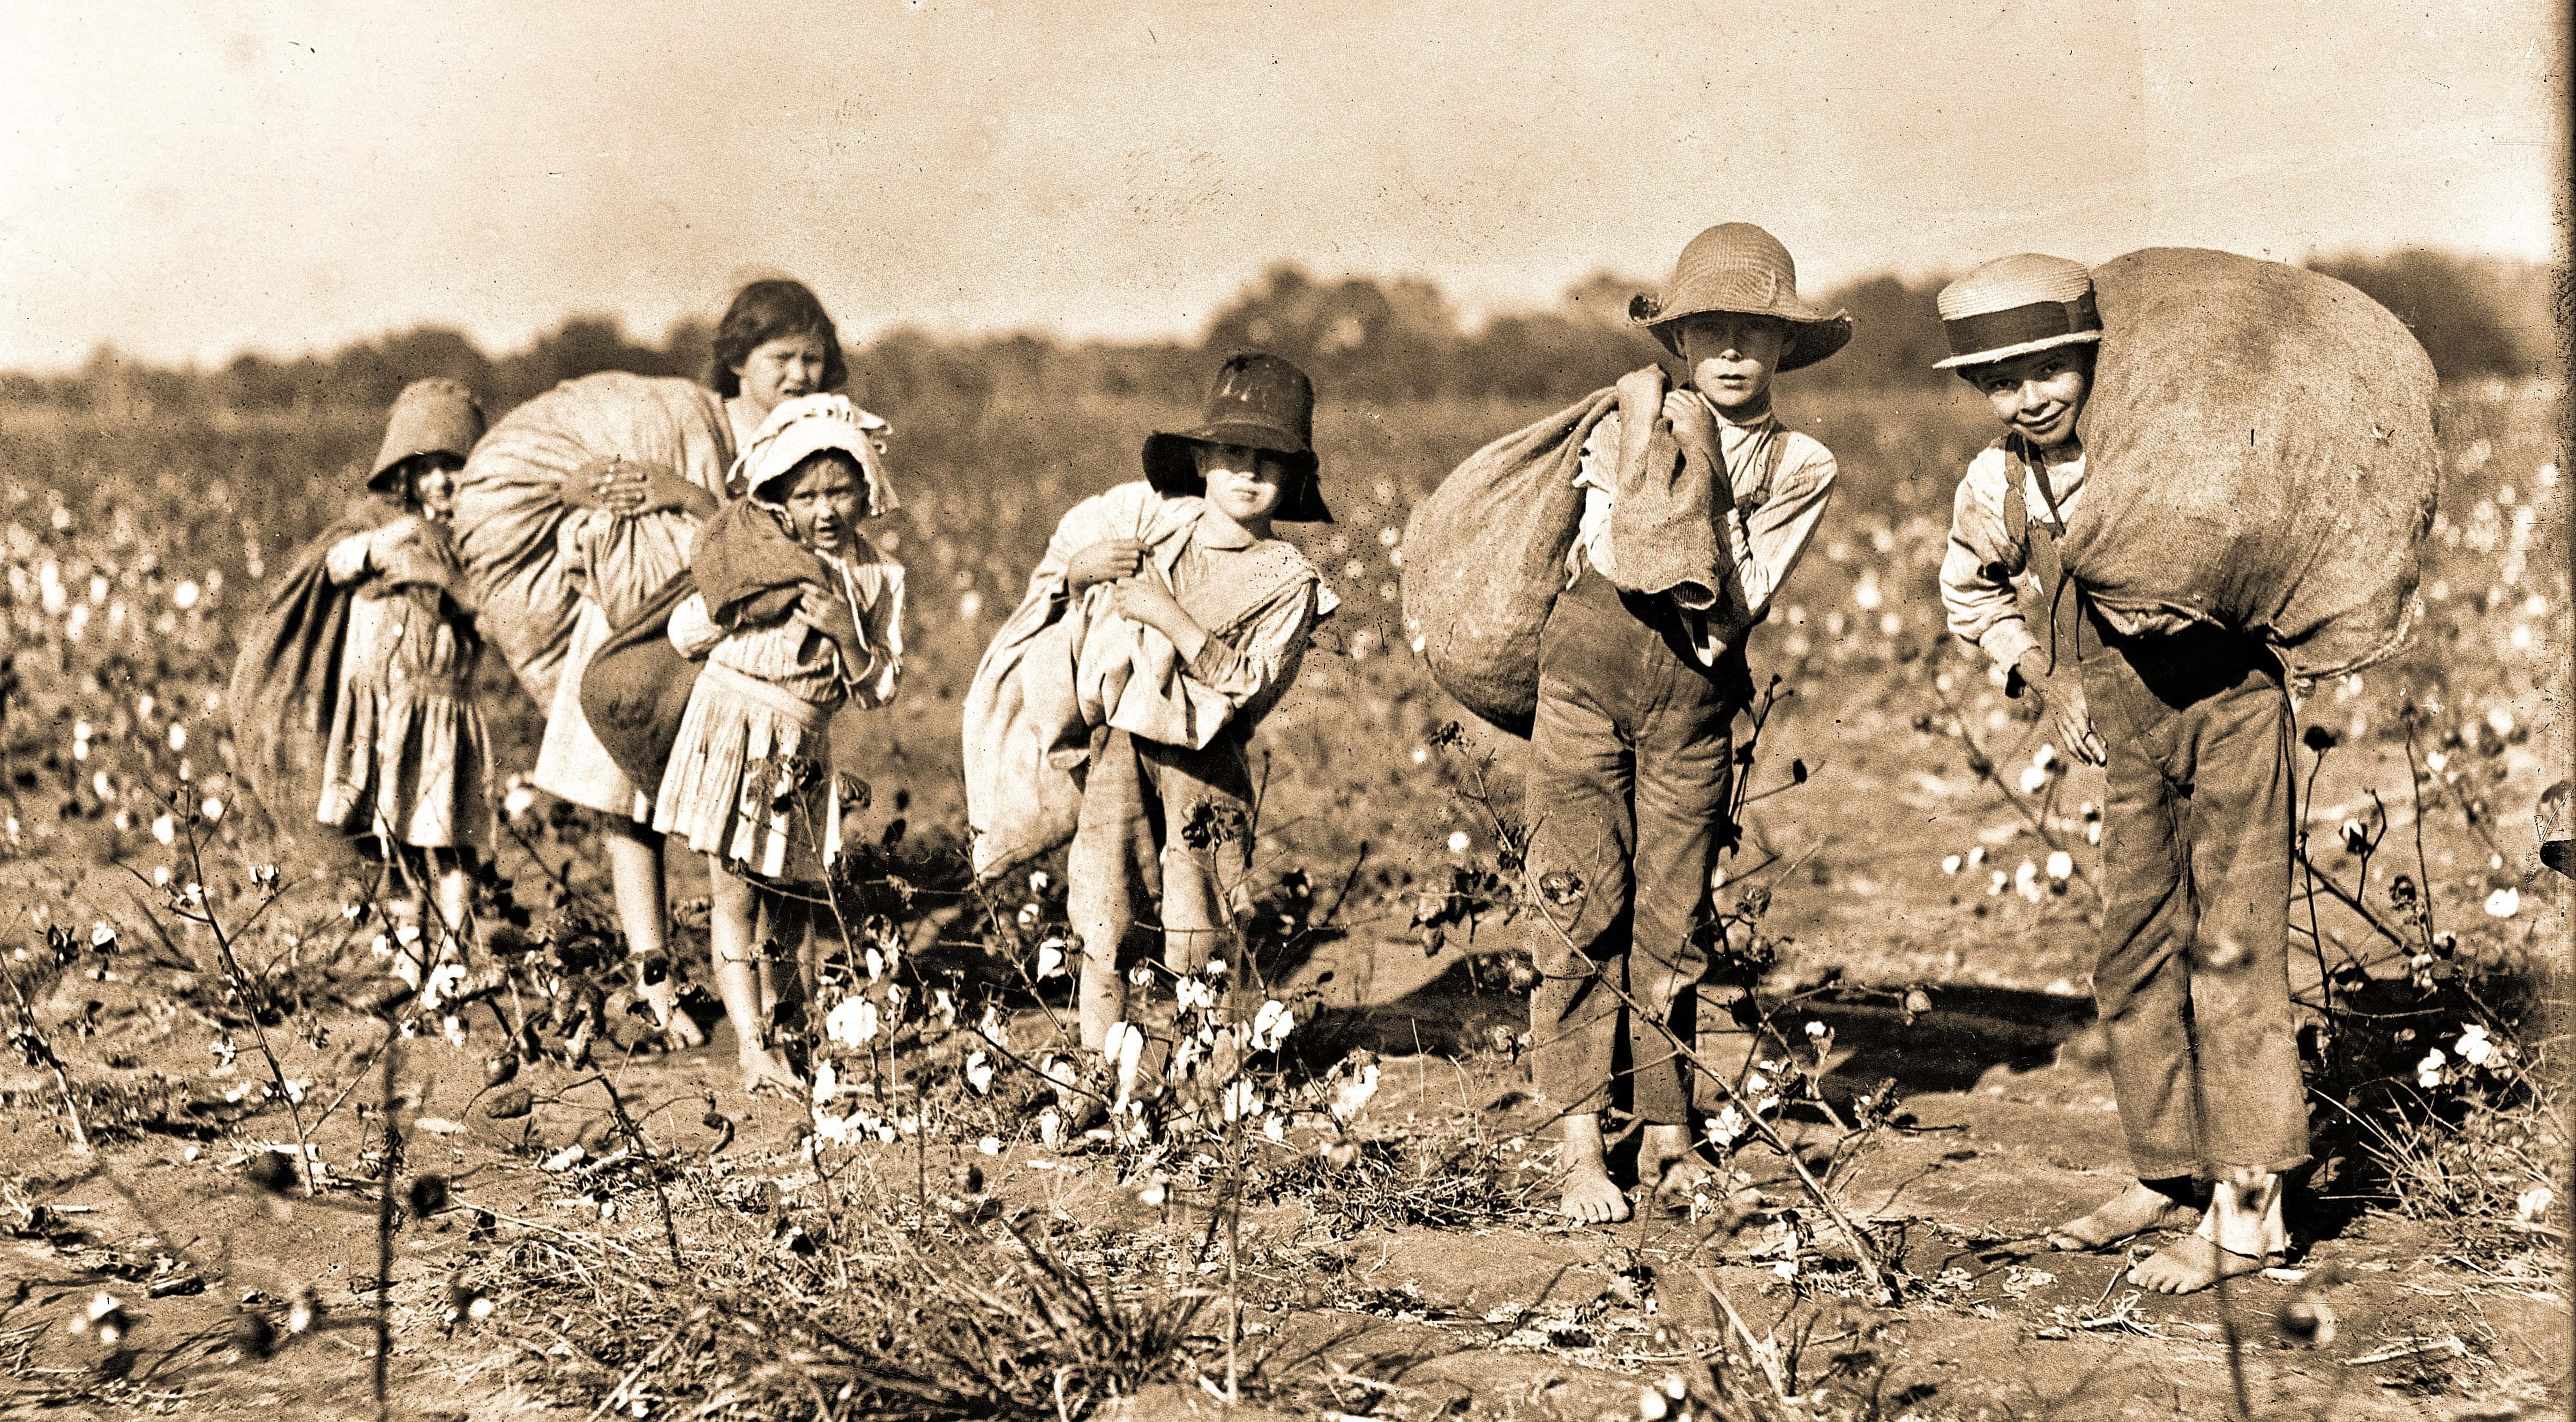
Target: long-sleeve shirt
(1984, 566)
(794, 655)
(1250, 658)
(1765, 541)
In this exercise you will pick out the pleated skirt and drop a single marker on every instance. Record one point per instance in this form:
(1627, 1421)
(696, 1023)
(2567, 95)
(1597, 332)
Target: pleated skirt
(751, 779)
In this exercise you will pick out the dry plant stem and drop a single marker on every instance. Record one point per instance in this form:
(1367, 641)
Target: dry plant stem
(1862, 1250)
(385, 1236)
(2316, 935)
(53, 1063)
(1994, 776)
(644, 1151)
(1759, 1350)
(254, 995)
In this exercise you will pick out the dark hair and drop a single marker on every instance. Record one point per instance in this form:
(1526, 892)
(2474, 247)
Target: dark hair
(762, 312)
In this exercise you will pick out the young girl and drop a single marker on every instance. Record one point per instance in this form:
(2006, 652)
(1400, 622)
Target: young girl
(631, 531)
(795, 615)
(1161, 722)
(406, 762)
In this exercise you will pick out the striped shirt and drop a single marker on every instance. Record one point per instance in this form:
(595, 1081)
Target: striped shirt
(793, 655)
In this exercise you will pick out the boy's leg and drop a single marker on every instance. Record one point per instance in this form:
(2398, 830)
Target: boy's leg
(1200, 882)
(2253, 1102)
(2141, 980)
(1577, 790)
(738, 966)
(636, 880)
(1101, 876)
(1685, 772)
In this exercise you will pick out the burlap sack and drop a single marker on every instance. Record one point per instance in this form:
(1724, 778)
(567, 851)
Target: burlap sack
(1484, 558)
(636, 689)
(509, 509)
(2259, 453)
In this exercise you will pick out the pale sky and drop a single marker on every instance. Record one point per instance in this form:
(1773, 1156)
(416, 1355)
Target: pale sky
(191, 180)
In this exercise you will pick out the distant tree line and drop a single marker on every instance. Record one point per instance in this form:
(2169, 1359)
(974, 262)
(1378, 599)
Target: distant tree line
(1361, 339)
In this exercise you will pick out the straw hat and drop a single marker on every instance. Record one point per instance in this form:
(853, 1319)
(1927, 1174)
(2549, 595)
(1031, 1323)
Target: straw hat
(433, 416)
(1738, 267)
(2015, 305)
(1258, 402)
(809, 425)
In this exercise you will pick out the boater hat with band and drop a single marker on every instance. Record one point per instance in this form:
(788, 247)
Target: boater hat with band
(2015, 305)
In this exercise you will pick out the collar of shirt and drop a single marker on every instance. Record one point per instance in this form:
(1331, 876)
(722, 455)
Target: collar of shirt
(1221, 534)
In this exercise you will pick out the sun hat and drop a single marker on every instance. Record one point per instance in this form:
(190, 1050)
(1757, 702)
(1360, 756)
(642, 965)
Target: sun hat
(1258, 402)
(2015, 305)
(809, 425)
(1738, 267)
(433, 416)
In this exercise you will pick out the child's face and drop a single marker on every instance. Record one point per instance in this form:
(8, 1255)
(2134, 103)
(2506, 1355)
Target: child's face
(1732, 356)
(779, 370)
(1247, 485)
(433, 482)
(824, 502)
(2039, 394)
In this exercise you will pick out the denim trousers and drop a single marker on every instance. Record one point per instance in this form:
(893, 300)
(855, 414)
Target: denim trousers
(2192, 980)
(1631, 764)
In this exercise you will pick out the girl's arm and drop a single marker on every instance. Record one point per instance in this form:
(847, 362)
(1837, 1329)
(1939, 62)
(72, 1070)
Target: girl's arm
(691, 631)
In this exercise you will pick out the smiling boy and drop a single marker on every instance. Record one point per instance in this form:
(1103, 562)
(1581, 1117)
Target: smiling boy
(2193, 728)
(1641, 674)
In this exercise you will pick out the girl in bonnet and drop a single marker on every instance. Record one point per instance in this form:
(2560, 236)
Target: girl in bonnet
(406, 762)
(795, 615)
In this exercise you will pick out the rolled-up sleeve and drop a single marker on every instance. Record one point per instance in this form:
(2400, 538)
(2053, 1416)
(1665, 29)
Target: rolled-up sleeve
(691, 631)
(1768, 543)
(1978, 567)
(1265, 651)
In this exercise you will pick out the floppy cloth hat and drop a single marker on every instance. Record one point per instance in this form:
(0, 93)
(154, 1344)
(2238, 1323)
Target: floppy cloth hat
(2015, 305)
(1258, 402)
(809, 425)
(1738, 267)
(433, 416)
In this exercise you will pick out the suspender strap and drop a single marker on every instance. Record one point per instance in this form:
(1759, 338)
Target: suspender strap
(2058, 592)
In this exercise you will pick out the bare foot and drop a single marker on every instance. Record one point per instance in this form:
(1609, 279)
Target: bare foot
(765, 1070)
(662, 1000)
(2133, 1211)
(1590, 1197)
(1669, 1165)
(2191, 1264)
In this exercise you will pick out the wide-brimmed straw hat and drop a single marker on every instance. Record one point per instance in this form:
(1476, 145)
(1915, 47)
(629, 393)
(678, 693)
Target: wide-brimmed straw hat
(2015, 305)
(806, 426)
(1258, 402)
(1738, 267)
(433, 416)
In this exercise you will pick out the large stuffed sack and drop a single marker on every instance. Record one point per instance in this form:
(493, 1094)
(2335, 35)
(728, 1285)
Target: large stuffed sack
(635, 691)
(509, 507)
(286, 683)
(1484, 558)
(2259, 453)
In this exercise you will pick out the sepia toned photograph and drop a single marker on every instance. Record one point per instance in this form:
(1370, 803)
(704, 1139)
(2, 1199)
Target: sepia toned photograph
(914, 709)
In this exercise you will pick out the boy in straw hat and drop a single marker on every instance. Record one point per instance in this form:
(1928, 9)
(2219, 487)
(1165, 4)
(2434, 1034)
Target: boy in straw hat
(1641, 674)
(2193, 728)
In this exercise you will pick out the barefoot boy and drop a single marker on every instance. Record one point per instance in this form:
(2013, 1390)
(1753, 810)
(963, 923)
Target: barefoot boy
(1641, 673)
(2194, 728)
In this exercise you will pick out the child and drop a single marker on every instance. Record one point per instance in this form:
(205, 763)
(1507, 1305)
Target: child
(1165, 622)
(1640, 678)
(2194, 728)
(406, 761)
(630, 532)
(751, 782)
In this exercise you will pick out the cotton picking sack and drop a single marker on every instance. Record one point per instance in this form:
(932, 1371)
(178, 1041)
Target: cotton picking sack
(509, 509)
(1484, 558)
(2259, 453)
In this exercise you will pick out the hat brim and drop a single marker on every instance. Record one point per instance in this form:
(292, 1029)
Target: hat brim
(1174, 472)
(2045, 343)
(803, 441)
(1815, 333)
